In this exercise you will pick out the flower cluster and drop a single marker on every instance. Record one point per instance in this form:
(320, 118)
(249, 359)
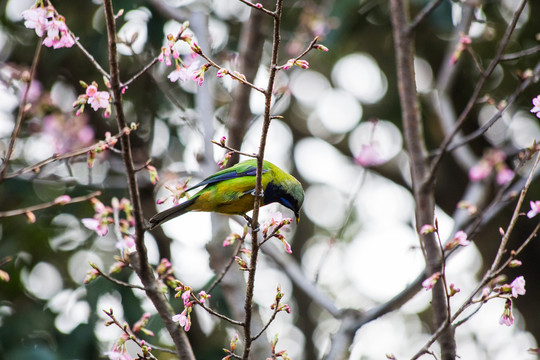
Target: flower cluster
(187, 68)
(101, 220)
(514, 289)
(233, 237)
(459, 239)
(177, 192)
(232, 347)
(119, 351)
(273, 227)
(430, 282)
(96, 99)
(103, 145)
(165, 272)
(141, 323)
(291, 62)
(464, 42)
(277, 306)
(280, 354)
(222, 163)
(492, 159)
(105, 215)
(45, 20)
(184, 318)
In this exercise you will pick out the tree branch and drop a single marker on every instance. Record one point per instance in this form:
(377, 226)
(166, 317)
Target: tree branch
(140, 261)
(22, 109)
(423, 193)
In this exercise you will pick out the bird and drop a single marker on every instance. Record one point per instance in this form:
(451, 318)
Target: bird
(231, 191)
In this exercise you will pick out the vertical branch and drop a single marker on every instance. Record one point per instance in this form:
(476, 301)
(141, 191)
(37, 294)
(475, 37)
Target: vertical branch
(248, 305)
(414, 139)
(250, 52)
(140, 261)
(22, 109)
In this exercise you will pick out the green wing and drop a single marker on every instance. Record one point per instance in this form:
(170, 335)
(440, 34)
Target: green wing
(245, 168)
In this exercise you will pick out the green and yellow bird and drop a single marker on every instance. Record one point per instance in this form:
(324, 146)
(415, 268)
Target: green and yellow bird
(230, 191)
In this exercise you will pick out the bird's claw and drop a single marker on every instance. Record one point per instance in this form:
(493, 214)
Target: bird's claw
(250, 221)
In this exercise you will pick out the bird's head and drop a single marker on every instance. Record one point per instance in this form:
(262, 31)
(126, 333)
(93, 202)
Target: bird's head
(288, 192)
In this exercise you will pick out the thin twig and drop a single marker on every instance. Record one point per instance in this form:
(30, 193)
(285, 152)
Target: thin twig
(272, 318)
(520, 54)
(231, 74)
(89, 56)
(125, 328)
(510, 101)
(226, 268)
(22, 109)
(308, 49)
(513, 220)
(68, 155)
(266, 11)
(476, 93)
(210, 311)
(233, 150)
(428, 9)
(49, 204)
(116, 281)
(493, 271)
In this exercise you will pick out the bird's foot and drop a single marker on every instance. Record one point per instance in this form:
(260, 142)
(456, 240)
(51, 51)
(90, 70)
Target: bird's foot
(250, 221)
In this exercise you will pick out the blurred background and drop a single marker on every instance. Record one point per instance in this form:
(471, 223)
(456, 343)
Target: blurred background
(356, 240)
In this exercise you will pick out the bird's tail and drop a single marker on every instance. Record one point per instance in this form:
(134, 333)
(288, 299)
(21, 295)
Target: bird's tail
(168, 214)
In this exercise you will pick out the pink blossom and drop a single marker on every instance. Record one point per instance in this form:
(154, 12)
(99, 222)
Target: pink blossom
(460, 238)
(286, 244)
(36, 18)
(535, 209)
(119, 351)
(126, 245)
(369, 155)
(320, 47)
(480, 171)
(289, 64)
(536, 105)
(185, 296)
(518, 286)
(4, 276)
(431, 281)
(203, 296)
(182, 73)
(507, 318)
(198, 76)
(515, 263)
(426, 229)
(62, 200)
(183, 319)
(95, 225)
(504, 176)
(221, 72)
(99, 99)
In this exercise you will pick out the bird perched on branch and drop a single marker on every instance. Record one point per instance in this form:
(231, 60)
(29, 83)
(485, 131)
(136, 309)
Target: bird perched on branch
(231, 191)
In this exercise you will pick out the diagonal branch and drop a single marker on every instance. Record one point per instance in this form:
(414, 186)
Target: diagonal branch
(22, 109)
